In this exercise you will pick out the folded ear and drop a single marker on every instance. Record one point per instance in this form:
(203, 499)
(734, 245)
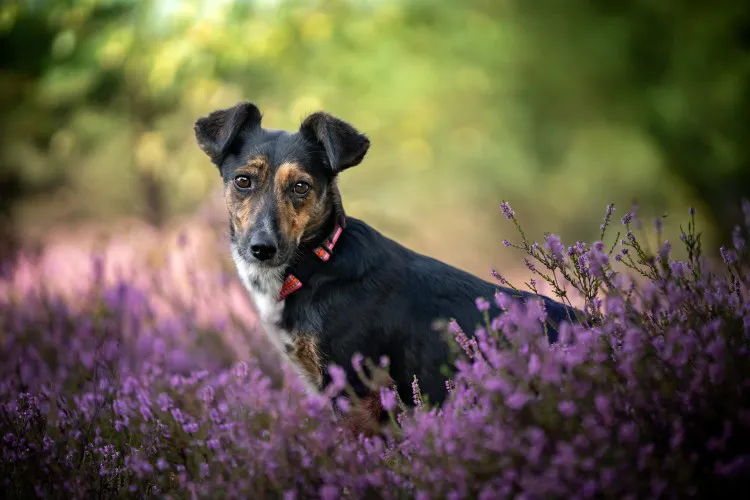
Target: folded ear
(343, 144)
(216, 131)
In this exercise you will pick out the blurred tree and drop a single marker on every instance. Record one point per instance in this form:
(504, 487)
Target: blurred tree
(678, 70)
(30, 40)
(34, 37)
(558, 108)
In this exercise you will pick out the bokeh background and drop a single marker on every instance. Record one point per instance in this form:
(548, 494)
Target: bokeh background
(558, 107)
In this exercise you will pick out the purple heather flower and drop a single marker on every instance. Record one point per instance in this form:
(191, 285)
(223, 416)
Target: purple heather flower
(465, 343)
(728, 256)
(567, 408)
(416, 393)
(534, 364)
(357, 360)
(733, 467)
(507, 211)
(530, 265)
(737, 240)
(338, 377)
(517, 400)
(628, 432)
(387, 399)
(454, 327)
(384, 362)
(555, 246)
(482, 304)
(577, 249)
(665, 250)
(603, 406)
(241, 370)
(329, 492)
(498, 277)
(343, 404)
(207, 394)
(607, 216)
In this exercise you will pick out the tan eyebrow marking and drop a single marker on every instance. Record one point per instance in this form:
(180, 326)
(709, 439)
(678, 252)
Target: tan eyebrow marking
(293, 220)
(257, 165)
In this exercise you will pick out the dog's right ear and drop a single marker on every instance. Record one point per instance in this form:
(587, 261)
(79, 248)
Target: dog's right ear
(216, 131)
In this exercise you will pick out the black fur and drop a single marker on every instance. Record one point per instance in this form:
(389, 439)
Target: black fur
(373, 296)
(377, 297)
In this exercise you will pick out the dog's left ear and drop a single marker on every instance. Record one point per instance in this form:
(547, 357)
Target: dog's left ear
(343, 144)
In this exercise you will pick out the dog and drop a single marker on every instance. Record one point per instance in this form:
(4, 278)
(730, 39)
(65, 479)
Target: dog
(327, 285)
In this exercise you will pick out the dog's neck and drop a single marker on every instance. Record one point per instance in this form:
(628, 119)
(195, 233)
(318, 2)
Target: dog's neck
(335, 215)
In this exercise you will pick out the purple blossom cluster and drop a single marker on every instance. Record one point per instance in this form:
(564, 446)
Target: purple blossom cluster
(117, 385)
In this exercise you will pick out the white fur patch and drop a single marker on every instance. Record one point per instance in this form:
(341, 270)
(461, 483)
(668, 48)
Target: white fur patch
(264, 285)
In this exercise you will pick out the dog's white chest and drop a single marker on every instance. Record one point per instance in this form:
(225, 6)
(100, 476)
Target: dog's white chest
(264, 287)
(269, 308)
(270, 312)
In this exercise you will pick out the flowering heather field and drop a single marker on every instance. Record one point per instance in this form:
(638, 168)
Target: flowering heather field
(120, 378)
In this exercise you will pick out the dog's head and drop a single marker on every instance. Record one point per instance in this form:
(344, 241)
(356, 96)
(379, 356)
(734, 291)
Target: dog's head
(279, 186)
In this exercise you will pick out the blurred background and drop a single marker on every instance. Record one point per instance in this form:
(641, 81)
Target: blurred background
(557, 107)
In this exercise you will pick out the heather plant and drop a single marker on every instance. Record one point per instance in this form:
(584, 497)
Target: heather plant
(645, 398)
(121, 384)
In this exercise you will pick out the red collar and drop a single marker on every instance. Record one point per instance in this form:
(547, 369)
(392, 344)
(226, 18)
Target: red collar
(324, 252)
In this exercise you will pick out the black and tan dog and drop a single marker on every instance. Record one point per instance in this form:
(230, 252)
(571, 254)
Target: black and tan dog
(326, 285)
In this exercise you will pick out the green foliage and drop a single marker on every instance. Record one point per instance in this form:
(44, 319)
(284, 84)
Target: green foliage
(541, 104)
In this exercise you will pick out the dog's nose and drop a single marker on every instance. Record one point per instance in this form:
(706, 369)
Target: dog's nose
(262, 246)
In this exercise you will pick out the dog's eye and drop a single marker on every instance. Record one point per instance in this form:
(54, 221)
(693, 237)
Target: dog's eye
(242, 182)
(301, 188)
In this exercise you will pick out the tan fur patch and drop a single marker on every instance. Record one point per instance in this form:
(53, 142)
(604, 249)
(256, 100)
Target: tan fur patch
(306, 355)
(293, 220)
(362, 417)
(243, 209)
(318, 216)
(257, 165)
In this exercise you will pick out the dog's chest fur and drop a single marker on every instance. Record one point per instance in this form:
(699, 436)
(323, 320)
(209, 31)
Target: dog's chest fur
(264, 286)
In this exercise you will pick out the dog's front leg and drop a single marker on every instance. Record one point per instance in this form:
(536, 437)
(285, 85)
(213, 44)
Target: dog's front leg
(304, 355)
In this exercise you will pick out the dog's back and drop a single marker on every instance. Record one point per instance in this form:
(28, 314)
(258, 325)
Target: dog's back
(377, 298)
